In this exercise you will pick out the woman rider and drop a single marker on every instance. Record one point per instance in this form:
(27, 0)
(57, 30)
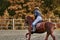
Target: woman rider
(38, 18)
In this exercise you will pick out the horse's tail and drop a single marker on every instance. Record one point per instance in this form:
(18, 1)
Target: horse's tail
(49, 25)
(55, 26)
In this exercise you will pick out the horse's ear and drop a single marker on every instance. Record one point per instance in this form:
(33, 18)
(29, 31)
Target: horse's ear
(26, 16)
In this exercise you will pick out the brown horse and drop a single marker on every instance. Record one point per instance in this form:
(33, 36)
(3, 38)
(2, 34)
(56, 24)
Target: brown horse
(40, 28)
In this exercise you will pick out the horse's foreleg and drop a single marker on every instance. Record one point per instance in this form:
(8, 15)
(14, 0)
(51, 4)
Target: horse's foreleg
(47, 36)
(26, 35)
(29, 36)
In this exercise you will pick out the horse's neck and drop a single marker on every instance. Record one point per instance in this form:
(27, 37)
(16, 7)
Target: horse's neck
(30, 22)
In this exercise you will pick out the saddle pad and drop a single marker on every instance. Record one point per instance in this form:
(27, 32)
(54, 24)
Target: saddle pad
(40, 25)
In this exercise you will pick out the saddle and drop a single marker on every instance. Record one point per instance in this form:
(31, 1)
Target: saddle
(40, 26)
(39, 23)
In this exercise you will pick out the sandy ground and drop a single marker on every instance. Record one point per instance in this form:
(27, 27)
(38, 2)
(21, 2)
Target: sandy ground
(20, 35)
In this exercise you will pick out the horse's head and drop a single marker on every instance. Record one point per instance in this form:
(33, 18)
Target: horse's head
(28, 19)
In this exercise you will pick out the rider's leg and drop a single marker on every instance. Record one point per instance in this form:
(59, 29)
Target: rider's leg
(35, 22)
(33, 26)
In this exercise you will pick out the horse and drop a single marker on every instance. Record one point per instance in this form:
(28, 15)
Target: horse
(40, 28)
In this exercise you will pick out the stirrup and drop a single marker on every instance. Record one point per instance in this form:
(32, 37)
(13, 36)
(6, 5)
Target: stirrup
(32, 32)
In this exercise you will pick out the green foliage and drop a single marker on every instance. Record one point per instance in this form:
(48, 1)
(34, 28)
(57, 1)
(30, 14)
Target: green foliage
(48, 3)
(57, 12)
(11, 12)
(4, 4)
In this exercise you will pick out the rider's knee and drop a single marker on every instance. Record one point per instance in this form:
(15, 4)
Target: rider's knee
(33, 23)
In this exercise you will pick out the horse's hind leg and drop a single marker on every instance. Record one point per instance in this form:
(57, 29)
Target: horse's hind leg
(52, 35)
(47, 36)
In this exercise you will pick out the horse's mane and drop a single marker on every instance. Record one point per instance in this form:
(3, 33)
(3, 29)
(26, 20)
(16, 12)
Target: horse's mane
(29, 18)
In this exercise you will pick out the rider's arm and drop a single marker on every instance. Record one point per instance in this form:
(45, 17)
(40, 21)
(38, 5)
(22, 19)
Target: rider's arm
(39, 12)
(42, 15)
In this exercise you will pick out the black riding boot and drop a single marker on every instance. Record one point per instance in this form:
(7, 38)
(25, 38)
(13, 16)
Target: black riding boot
(34, 29)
